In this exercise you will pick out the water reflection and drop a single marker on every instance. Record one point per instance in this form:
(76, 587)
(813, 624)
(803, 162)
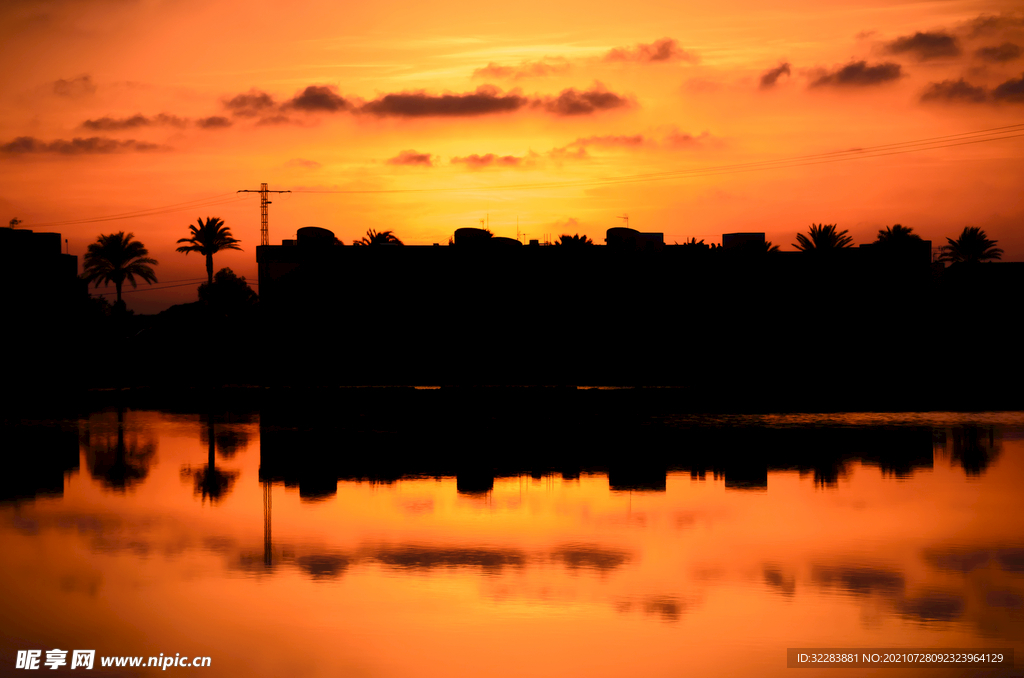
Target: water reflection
(120, 462)
(211, 482)
(645, 547)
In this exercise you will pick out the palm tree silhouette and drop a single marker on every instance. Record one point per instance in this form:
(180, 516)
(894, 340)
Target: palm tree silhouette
(208, 239)
(574, 240)
(116, 258)
(372, 237)
(822, 237)
(971, 247)
(896, 236)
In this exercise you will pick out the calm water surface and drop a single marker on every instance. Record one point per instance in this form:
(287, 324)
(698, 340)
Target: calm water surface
(136, 547)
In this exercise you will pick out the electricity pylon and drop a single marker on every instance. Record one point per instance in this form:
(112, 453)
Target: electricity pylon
(264, 235)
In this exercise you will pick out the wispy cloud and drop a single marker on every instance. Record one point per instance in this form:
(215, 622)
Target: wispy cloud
(303, 163)
(250, 104)
(108, 124)
(213, 122)
(76, 146)
(925, 46)
(490, 160)
(485, 100)
(573, 102)
(81, 85)
(665, 49)
(770, 77)
(859, 74)
(318, 98)
(1007, 51)
(957, 91)
(411, 157)
(526, 69)
(1011, 91)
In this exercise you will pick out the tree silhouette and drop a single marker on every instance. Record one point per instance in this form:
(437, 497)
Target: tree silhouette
(13, 223)
(769, 247)
(116, 258)
(208, 239)
(971, 247)
(372, 237)
(693, 243)
(822, 237)
(574, 240)
(228, 293)
(896, 236)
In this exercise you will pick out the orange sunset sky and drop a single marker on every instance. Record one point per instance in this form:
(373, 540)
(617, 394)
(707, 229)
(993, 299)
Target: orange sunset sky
(426, 117)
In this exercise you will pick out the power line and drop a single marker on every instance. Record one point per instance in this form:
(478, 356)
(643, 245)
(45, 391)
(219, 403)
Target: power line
(166, 209)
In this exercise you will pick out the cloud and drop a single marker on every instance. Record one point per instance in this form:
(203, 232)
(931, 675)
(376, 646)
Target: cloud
(933, 45)
(1011, 91)
(411, 157)
(674, 139)
(677, 139)
(771, 76)
(108, 124)
(318, 98)
(485, 100)
(214, 122)
(305, 164)
(77, 146)
(250, 104)
(278, 119)
(954, 91)
(526, 69)
(702, 85)
(572, 224)
(859, 74)
(611, 140)
(666, 49)
(986, 23)
(999, 53)
(572, 102)
(81, 85)
(490, 160)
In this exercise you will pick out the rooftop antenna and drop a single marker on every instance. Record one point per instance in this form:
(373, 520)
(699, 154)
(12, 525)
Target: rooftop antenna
(264, 235)
(626, 218)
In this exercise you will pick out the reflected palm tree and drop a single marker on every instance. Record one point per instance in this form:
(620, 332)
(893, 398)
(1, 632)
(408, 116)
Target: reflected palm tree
(373, 237)
(211, 481)
(115, 258)
(822, 237)
(975, 448)
(971, 247)
(229, 438)
(118, 464)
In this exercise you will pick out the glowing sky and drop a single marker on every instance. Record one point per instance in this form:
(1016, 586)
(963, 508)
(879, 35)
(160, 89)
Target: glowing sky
(461, 111)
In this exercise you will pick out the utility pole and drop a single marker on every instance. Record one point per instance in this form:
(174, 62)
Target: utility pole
(264, 236)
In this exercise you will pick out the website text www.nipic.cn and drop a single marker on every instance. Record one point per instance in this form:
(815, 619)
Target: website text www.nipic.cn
(86, 659)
